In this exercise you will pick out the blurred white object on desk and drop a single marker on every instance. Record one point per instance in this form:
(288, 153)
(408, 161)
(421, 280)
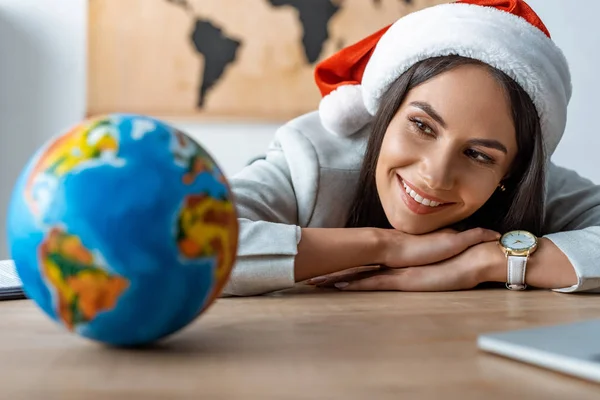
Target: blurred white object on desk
(11, 286)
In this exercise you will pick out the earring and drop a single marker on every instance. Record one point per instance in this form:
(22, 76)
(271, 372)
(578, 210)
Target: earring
(501, 187)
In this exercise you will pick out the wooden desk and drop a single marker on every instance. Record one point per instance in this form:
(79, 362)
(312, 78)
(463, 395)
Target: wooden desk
(303, 344)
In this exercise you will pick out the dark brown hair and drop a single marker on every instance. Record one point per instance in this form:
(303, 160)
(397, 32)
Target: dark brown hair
(520, 206)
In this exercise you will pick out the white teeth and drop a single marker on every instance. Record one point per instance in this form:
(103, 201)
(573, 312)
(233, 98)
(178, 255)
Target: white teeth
(419, 199)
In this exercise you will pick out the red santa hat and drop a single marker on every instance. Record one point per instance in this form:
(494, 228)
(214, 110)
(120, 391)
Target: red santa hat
(505, 34)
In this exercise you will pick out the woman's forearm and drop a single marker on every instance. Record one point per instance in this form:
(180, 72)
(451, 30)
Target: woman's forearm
(323, 251)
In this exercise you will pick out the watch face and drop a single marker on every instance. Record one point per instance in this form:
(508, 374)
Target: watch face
(518, 240)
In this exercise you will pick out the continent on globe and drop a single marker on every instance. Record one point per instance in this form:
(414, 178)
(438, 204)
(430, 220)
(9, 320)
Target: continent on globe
(84, 143)
(82, 288)
(314, 17)
(188, 154)
(218, 52)
(204, 230)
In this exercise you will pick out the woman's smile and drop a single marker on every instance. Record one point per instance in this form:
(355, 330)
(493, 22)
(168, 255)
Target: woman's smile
(418, 201)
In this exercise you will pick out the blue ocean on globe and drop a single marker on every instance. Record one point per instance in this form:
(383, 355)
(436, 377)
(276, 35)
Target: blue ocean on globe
(123, 229)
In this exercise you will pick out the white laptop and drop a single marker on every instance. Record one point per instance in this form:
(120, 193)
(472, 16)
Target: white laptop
(10, 284)
(572, 349)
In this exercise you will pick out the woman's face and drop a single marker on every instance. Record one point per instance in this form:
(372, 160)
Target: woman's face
(446, 150)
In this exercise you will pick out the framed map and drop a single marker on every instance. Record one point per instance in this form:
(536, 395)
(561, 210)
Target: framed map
(221, 59)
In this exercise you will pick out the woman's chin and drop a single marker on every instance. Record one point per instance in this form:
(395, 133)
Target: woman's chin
(414, 227)
(421, 224)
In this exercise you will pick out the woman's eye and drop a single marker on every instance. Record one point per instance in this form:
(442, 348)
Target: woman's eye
(423, 127)
(479, 157)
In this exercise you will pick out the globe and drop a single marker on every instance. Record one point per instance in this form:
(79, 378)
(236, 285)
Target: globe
(123, 229)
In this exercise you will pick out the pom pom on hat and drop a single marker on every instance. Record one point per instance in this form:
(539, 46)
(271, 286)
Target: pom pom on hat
(345, 101)
(506, 34)
(339, 77)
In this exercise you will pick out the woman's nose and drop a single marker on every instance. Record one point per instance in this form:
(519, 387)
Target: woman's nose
(437, 171)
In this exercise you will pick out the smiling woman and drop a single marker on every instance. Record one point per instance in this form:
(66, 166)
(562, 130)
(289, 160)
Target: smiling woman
(433, 138)
(451, 131)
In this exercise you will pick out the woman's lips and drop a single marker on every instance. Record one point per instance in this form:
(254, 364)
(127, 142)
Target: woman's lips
(414, 205)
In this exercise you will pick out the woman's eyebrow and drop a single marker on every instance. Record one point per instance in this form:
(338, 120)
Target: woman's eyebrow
(429, 110)
(491, 143)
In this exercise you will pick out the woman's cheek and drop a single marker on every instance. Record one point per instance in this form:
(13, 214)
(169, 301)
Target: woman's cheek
(477, 191)
(397, 149)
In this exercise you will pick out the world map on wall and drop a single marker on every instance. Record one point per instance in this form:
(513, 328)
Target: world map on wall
(219, 50)
(224, 58)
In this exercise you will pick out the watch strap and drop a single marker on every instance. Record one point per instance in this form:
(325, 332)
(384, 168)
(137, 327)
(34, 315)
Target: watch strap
(516, 272)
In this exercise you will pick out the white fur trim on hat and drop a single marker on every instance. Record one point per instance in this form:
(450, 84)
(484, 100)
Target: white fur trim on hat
(343, 110)
(497, 38)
